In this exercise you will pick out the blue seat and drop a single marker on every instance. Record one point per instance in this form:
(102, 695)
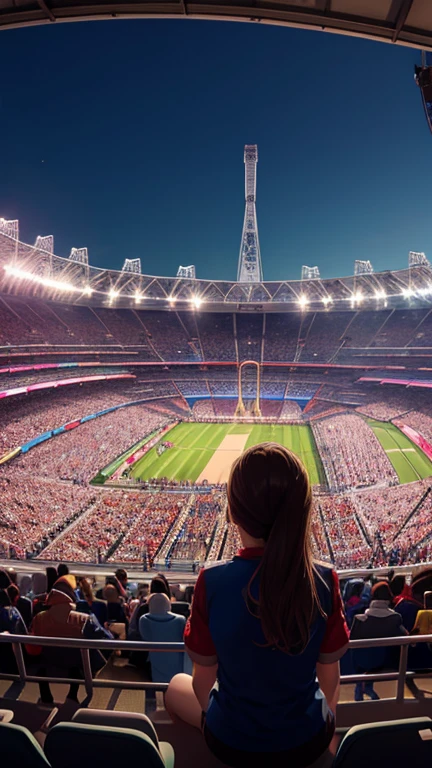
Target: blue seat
(19, 748)
(392, 743)
(69, 745)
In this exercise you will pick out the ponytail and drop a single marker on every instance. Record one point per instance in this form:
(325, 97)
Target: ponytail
(270, 497)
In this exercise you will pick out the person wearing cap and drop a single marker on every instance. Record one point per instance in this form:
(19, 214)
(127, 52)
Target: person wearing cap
(161, 625)
(61, 619)
(379, 620)
(419, 657)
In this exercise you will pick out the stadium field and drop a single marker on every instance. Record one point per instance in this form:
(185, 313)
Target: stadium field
(206, 451)
(409, 461)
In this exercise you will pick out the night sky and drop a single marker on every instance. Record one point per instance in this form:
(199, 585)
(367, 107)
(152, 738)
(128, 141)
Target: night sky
(127, 137)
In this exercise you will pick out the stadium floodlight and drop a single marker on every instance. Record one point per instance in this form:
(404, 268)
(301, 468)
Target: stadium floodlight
(380, 294)
(326, 300)
(187, 272)
(58, 285)
(310, 273)
(303, 301)
(138, 297)
(172, 300)
(10, 228)
(87, 291)
(407, 293)
(196, 301)
(357, 297)
(416, 259)
(113, 294)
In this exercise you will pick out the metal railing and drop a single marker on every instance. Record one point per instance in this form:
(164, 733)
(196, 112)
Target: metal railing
(90, 682)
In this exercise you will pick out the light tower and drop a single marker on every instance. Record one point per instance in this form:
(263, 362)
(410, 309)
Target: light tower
(80, 255)
(187, 272)
(417, 259)
(249, 267)
(10, 227)
(132, 265)
(362, 267)
(45, 243)
(310, 273)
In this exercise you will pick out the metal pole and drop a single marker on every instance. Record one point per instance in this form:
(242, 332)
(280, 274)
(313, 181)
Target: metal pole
(403, 661)
(88, 677)
(17, 649)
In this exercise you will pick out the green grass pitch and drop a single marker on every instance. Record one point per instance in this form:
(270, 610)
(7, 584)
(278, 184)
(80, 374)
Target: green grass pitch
(408, 459)
(195, 443)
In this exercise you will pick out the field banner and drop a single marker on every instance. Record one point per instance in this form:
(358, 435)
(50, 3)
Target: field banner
(416, 438)
(39, 439)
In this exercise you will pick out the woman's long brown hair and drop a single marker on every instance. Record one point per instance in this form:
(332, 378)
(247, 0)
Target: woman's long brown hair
(270, 497)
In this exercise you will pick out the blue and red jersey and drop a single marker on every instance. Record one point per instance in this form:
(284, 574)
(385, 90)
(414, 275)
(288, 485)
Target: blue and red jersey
(263, 696)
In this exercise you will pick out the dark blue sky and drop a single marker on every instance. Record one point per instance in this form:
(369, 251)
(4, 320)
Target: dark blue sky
(128, 137)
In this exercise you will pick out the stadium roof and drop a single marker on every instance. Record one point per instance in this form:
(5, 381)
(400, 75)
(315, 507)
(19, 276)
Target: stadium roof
(405, 22)
(32, 270)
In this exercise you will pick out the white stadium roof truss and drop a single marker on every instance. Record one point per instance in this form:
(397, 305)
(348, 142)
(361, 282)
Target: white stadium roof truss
(26, 269)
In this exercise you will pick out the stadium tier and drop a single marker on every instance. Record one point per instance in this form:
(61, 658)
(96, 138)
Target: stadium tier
(124, 399)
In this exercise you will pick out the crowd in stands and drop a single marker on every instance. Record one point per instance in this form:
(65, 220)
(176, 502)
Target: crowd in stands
(203, 409)
(290, 410)
(154, 517)
(106, 524)
(169, 337)
(324, 337)
(249, 337)
(399, 328)
(195, 537)
(217, 336)
(34, 510)
(280, 337)
(77, 455)
(420, 421)
(351, 453)
(350, 548)
(25, 417)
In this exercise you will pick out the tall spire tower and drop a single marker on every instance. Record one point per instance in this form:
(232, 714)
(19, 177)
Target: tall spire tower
(249, 267)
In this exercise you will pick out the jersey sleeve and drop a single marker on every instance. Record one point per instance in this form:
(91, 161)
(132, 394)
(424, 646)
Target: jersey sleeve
(197, 637)
(335, 641)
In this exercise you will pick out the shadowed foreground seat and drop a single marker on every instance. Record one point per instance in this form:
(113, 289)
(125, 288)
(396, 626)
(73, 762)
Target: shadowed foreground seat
(18, 748)
(134, 720)
(393, 743)
(69, 745)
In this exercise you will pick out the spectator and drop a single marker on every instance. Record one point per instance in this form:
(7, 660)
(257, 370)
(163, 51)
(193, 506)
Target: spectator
(423, 623)
(379, 620)
(62, 570)
(116, 613)
(122, 578)
(63, 620)
(12, 622)
(265, 625)
(90, 604)
(22, 604)
(160, 625)
(409, 606)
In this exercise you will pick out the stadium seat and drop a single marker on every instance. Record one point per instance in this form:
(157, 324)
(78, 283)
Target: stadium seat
(134, 720)
(69, 745)
(396, 742)
(19, 748)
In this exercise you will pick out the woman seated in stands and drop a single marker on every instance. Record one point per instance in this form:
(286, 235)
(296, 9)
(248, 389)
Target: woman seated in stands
(264, 627)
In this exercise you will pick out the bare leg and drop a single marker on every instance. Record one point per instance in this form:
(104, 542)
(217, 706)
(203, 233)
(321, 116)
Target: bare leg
(181, 702)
